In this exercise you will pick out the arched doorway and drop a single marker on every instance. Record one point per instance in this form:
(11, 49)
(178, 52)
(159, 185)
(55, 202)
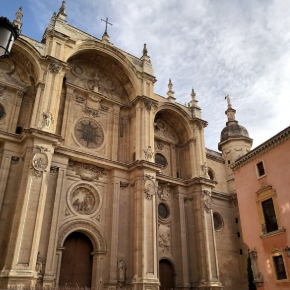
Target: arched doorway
(166, 275)
(76, 263)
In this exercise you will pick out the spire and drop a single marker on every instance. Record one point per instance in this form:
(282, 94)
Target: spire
(230, 112)
(19, 16)
(193, 101)
(170, 93)
(145, 56)
(61, 13)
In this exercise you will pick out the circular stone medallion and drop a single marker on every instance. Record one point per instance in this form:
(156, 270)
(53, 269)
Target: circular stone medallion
(89, 133)
(84, 199)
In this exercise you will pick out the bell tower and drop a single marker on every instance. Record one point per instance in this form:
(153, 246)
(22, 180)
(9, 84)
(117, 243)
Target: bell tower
(234, 142)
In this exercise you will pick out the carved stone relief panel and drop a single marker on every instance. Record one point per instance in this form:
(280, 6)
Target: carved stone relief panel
(88, 172)
(164, 238)
(84, 199)
(150, 190)
(164, 131)
(96, 78)
(164, 192)
(39, 162)
(207, 200)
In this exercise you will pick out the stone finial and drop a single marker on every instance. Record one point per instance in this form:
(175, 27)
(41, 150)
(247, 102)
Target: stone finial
(145, 51)
(62, 8)
(170, 93)
(19, 16)
(230, 112)
(193, 101)
(227, 97)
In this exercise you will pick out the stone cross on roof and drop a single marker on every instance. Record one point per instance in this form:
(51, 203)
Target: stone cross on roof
(107, 22)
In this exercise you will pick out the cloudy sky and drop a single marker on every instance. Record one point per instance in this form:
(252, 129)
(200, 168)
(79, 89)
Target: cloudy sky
(240, 48)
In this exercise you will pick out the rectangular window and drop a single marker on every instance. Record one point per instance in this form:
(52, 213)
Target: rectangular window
(260, 168)
(270, 216)
(280, 268)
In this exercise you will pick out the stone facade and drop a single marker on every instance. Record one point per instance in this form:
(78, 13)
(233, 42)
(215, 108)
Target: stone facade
(88, 147)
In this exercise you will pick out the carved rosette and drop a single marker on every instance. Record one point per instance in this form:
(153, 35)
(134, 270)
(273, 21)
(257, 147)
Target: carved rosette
(55, 67)
(207, 201)
(164, 192)
(160, 145)
(39, 162)
(84, 199)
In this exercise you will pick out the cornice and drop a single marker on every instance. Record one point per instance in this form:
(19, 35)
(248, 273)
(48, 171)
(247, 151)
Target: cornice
(262, 149)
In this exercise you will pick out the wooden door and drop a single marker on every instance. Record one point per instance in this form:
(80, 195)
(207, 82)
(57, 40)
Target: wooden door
(166, 275)
(76, 263)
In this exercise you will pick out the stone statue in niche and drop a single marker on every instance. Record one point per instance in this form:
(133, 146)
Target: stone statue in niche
(205, 170)
(38, 266)
(83, 201)
(48, 120)
(148, 153)
(121, 274)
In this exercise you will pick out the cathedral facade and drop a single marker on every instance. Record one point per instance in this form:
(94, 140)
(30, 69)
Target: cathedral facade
(105, 183)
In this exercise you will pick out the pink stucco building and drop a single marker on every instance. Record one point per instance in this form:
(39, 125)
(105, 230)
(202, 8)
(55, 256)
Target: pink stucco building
(262, 179)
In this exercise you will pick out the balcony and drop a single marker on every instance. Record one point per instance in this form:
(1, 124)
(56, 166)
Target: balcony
(269, 227)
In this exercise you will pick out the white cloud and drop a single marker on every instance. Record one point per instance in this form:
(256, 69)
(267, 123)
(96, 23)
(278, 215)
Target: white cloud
(221, 47)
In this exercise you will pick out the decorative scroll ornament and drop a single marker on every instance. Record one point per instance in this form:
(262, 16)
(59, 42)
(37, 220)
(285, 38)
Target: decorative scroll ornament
(149, 189)
(123, 184)
(164, 192)
(207, 201)
(148, 153)
(80, 99)
(148, 105)
(92, 112)
(55, 67)
(121, 271)
(104, 108)
(88, 172)
(148, 177)
(160, 145)
(48, 120)
(84, 199)
(39, 162)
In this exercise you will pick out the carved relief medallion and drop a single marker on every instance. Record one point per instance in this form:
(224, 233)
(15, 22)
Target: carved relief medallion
(39, 162)
(89, 133)
(149, 189)
(84, 199)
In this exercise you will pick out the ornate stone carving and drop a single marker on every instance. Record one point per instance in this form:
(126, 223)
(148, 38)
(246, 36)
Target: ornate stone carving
(92, 112)
(54, 169)
(205, 170)
(39, 162)
(258, 277)
(164, 191)
(121, 271)
(148, 105)
(48, 120)
(104, 108)
(55, 67)
(148, 153)
(163, 130)
(84, 199)
(20, 94)
(39, 264)
(1, 90)
(92, 230)
(164, 239)
(148, 177)
(89, 133)
(149, 189)
(80, 99)
(160, 145)
(88, 172)
(207, 201)
(14, 159)
(124, 184)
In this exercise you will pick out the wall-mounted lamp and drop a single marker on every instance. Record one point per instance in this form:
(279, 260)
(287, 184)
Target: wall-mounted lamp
(287, 250)
(8, 33)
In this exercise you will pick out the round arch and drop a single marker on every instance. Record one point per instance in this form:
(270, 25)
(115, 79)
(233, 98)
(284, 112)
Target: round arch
(86, 227)
(113, 55)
